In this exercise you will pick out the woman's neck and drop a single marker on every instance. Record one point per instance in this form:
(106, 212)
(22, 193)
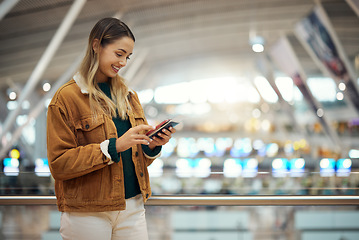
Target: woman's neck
(101, 78)
(105, 80)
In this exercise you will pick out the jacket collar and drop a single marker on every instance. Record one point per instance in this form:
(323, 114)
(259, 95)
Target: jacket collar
(80, 82)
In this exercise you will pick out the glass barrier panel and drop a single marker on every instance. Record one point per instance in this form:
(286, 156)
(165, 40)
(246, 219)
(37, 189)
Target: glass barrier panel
(204, 223)
(170, 181)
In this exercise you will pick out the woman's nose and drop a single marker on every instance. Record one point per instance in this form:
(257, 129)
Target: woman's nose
(122, 63)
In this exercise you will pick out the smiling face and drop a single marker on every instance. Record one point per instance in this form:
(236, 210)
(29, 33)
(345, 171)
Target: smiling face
(112, 57)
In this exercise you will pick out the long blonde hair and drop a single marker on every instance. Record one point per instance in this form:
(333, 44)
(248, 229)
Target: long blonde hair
(106, 31)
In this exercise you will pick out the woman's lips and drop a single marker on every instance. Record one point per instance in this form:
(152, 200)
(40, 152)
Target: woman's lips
(116, 69)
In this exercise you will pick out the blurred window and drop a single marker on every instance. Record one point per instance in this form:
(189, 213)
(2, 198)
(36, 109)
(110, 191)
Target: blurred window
(265, 90)
(325, 91)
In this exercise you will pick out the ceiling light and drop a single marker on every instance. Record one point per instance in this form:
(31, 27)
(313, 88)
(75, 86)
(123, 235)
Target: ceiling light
(342, 86)
(320, 112)
(257, 47)
(340, 96)
(256, 113)
(25, 105)
(257, 43)
(11, 105)
(265, 89)
(12, 95)
(354, 153)
(46, 87)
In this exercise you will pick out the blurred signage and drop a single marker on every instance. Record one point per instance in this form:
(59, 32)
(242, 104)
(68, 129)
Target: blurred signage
(250, 167)
(156, 168)
(296, 167)
(242, 147)
(42, 167)
(232, 168)
(11, 166)
(327, 167)
(320, 40)
(343, 167)
(199, 167)
(280, 167)
(235, 167)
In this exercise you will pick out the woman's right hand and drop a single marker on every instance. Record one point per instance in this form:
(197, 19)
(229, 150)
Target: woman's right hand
(133, 136)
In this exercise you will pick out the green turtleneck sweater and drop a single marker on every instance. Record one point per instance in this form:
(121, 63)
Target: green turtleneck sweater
(132, 187)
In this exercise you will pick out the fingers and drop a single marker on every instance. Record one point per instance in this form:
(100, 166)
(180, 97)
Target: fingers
(139, 137)
(142, 141)
(172, 130)
(168, 132)
(142, 137)
(137, 134)
(164, 136)
(142, 128)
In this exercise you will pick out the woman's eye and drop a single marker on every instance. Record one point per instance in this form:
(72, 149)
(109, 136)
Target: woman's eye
(120, 55)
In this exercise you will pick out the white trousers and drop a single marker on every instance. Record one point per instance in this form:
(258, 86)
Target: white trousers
(129, 224)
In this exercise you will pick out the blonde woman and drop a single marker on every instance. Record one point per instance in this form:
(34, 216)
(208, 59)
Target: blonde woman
(97, 147)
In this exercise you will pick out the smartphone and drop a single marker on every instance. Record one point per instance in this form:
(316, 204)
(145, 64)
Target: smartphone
(166, 124)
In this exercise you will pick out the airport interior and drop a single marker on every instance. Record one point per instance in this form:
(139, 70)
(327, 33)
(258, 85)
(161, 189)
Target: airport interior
(266, 94)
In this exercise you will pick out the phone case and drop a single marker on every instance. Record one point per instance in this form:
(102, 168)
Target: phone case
(166, 124)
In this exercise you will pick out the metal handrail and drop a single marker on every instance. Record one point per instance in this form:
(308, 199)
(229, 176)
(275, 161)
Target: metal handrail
(209, 200)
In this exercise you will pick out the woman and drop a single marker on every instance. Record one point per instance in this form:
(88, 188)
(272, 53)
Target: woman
(97, 147)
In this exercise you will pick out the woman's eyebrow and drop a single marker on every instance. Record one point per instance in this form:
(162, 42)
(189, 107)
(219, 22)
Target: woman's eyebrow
(123, 50)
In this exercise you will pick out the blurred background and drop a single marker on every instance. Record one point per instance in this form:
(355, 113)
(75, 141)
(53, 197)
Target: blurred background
(266, 93)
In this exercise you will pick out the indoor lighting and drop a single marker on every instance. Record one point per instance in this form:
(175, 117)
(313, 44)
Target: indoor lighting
(265, 89)
(354, 153)
(232, 168)
(250, 168)
(46, 87)
(286, 88)
(257, 43)
(11, 105)
(340, 96)
(257, 47)
(342, 86)
(12, 95)
(172, 94)
(320, 112)
(145, 96)
(323, 89)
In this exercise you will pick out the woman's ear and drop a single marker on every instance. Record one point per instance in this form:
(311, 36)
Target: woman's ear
(95, 45)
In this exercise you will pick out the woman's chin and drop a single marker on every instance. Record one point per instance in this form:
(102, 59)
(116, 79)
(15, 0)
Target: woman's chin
(112, 74)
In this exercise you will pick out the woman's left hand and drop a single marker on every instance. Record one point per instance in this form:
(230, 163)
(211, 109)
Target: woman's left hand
(163, 137)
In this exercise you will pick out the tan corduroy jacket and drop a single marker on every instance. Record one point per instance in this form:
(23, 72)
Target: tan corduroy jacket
(85, 178)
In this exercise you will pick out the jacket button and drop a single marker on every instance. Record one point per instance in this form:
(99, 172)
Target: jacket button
(136, 154)
(87, 126)
(141, 174)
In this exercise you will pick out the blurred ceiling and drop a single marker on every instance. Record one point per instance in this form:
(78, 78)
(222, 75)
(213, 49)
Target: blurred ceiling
(175, 33)
(176, 40)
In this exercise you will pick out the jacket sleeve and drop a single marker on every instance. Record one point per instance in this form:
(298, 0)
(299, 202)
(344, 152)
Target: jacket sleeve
(149, 153)
(67, 160)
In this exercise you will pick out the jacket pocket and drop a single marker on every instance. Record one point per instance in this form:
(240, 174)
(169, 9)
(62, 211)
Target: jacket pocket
(90, 130)
(92, 186)
(72, 188)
